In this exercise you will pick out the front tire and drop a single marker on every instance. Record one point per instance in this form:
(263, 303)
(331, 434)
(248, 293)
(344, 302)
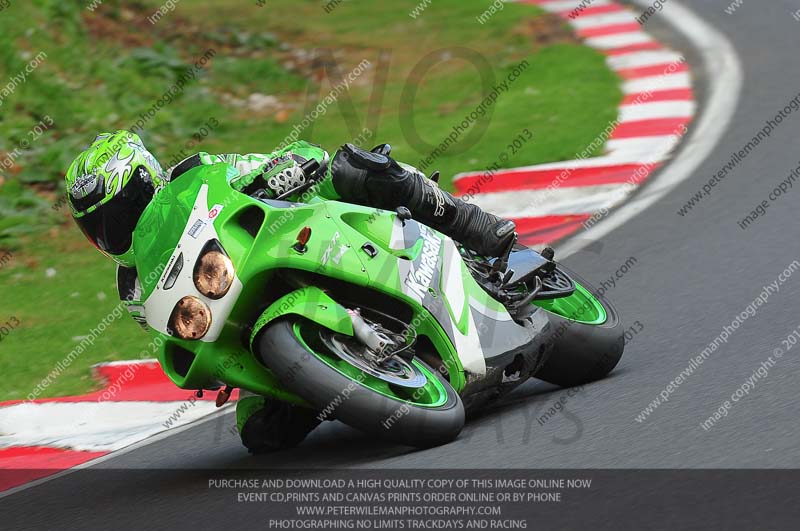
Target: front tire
(430, 416)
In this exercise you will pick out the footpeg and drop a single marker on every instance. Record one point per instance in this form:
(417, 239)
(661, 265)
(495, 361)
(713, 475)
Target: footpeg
(501, 264)
(548, 254)
(524, 308)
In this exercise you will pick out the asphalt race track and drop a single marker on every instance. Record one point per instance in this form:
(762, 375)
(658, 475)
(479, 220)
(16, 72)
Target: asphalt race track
(692, 275)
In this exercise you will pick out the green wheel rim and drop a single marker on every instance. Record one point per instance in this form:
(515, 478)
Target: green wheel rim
(433, 394)
(581, 307)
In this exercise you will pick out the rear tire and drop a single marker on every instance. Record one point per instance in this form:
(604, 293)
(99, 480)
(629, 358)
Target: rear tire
(301, 370)
(582, 352)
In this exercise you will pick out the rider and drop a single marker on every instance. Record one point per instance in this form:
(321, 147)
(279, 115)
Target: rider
(110, 184)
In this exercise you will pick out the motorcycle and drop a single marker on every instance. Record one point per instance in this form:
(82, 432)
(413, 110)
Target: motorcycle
(364, 315)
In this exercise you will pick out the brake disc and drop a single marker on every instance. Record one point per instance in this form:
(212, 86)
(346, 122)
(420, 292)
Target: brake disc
(394, 370)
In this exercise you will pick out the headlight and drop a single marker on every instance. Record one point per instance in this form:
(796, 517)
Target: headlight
(213, 273)
(190, 319)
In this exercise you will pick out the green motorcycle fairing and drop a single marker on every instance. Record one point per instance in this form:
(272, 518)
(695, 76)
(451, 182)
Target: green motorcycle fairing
(405, 261)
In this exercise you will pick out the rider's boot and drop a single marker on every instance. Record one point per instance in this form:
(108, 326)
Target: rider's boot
(375, 179)
(267, 425)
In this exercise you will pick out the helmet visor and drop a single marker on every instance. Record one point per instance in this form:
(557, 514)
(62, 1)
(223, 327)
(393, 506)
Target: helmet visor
(110, 227)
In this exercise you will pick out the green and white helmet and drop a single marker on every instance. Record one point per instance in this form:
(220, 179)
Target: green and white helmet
(108, 187)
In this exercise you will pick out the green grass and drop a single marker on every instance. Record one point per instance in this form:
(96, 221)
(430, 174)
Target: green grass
(55, 311)
(101, 72)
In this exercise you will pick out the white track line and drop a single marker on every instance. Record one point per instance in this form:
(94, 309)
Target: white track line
(652, 148)
(618, 40)
(610, 19)
(552, 201)
(640, 59)
(569, 5)
(113, 455)
(655, 110)
(724, 74)
(615, 157)
(679, 80)
(146, 361)
(93, 426)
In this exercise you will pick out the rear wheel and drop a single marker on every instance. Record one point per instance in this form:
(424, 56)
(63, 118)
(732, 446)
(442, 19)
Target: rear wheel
(587, 336)
(404, 401)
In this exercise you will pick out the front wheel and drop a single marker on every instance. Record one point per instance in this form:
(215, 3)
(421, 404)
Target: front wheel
(588, 336)
(406, 402)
